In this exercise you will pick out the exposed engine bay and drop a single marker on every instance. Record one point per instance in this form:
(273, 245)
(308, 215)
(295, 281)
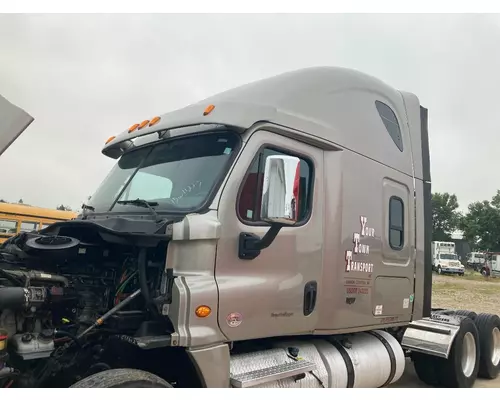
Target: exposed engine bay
(74, 302)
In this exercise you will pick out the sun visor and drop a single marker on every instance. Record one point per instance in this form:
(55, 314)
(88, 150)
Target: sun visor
(13, 122)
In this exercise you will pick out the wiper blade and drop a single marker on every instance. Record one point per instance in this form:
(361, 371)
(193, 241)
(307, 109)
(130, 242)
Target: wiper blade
(139, 202)
(143, 203)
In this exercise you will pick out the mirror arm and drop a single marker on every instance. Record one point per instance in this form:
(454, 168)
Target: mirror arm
(268, 238)
(250, 245)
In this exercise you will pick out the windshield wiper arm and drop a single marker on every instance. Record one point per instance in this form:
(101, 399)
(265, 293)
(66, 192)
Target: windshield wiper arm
(143, 203)
(87, 207)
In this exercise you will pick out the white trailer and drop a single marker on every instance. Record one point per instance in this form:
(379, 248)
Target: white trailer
(476, 260)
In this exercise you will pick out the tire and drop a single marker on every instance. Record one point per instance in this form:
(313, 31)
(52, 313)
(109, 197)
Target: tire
(425, 368)
(465, 350)
(484, 272)
(122, 378)
(440, 271)
(488, 326)
(465, 313)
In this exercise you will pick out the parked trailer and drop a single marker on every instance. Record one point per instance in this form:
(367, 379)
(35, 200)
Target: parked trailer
(275, 235)
(476, 260)
(491, 266)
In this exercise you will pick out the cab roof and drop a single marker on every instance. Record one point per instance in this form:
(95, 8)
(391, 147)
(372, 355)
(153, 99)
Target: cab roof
(333, 104)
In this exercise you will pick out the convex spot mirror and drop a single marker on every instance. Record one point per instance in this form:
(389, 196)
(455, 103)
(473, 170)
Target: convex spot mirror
(280, 190)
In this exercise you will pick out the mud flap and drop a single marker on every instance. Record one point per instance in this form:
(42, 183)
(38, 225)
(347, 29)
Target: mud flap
(433, 336)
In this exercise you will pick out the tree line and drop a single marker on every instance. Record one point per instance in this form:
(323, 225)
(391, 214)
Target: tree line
(480, 224)
(60, 207)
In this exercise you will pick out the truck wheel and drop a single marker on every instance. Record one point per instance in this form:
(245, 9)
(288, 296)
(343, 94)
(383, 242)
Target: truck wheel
(488, 326)
(461, 368)
(440, 271)
(425, 368)
(484, 272)
(122, 378)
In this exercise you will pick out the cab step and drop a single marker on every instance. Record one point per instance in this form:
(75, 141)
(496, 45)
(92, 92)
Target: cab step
(265, 375)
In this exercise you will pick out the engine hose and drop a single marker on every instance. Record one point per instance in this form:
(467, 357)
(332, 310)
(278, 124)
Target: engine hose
(58, 332)
(41, 276)
(7, 372)
(142, 262)
(103, 318)
(16, 298)
(97, 368)
(12, 279)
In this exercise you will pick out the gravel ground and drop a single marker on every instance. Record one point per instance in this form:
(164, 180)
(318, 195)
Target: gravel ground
(470, 292)
(410, 380)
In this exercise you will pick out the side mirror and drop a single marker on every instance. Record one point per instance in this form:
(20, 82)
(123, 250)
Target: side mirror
(280, 190)
(279, 203)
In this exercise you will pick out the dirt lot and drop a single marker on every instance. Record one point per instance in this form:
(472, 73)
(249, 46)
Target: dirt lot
(470, 292)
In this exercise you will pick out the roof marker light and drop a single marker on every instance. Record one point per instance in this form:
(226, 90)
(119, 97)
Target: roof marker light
(133, 128)
(154, 121)
(110, 139)
(208, 110)
(143, 124)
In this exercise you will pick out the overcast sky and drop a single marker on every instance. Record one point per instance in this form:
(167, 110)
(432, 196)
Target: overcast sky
(87, 77)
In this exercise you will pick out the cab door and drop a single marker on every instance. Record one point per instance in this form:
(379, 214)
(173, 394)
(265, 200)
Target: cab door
(276, 293)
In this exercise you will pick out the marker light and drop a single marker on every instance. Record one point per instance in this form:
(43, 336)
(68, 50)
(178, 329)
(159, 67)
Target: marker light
(133, 128)
(3, 341)
(143, 124)
(208, 110)
(203, 311)
(154, 121)
(110, 139)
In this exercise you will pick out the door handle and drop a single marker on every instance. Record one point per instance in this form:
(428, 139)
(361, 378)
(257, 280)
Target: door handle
(310, 292)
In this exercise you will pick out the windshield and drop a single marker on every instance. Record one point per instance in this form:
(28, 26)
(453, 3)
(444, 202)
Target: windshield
(178, 174)
(448, 257)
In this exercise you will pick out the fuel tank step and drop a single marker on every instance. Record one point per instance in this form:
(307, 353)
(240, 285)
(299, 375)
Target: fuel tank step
(274, 373)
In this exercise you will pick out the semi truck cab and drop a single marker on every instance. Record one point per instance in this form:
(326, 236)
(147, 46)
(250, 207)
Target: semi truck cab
(275, 235)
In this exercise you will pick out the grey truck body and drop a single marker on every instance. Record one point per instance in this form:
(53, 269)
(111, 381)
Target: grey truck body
(328, 115)
(358, 258)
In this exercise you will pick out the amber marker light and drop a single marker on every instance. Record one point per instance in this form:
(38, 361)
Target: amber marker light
(143, 124)
(203, 311)
(208, 110)
(154, 121)
(133, 128)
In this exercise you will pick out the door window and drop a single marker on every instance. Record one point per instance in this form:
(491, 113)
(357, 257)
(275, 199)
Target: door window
(396, 223)
(251, 189)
